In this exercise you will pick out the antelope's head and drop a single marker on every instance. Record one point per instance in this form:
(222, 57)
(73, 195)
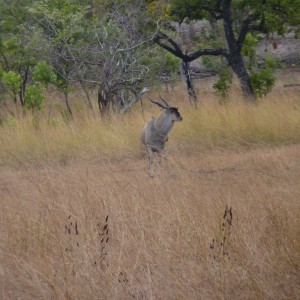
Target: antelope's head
(170, 111)
(174, 114)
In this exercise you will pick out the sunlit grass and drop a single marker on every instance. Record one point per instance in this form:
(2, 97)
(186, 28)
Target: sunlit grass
(108, 231)
(39, 137)
(81, 219)
(239, 124)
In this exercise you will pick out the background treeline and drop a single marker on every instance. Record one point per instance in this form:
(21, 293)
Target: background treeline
(103, 46)
(121, 48)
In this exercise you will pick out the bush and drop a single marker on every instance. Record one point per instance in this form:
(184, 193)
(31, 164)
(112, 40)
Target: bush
(263, 80)
(223, 85)
(34, 96)
(44, 74)
(12, 80)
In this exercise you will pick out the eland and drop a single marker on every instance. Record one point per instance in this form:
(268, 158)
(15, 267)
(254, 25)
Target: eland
(155, 133)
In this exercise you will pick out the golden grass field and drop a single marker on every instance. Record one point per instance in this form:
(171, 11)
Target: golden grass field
(80, 218)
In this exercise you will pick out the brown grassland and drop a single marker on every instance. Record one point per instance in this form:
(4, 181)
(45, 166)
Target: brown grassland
(80, 218)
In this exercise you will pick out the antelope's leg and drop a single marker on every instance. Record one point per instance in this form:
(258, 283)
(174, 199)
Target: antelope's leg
(159, 154)
(150, 160)
(166, 160)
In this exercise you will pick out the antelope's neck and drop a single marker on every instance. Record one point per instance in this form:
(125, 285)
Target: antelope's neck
(163, 124)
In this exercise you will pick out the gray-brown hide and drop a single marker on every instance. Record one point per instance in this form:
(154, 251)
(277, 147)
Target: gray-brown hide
(155, 132)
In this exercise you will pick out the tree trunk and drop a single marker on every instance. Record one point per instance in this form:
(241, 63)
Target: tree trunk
(23, 87)
(104, 98)
(90, 105)
(67, 103)
(235, 58)
(188, 81)
(238, 66)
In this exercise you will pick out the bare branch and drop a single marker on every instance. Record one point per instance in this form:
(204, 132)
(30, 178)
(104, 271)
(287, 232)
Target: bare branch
(137, 98)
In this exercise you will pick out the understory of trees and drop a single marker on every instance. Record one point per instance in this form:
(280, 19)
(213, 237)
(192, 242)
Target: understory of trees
(121, 48)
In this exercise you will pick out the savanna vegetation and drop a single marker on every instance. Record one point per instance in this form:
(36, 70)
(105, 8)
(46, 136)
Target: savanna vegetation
(80, 218)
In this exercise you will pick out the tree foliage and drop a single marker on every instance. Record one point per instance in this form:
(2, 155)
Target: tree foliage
(44, 74)
(91, 43)
(263, 80)
(34, 96)
(12, 83)
(222, 86)
(243, 23)
(108, 46)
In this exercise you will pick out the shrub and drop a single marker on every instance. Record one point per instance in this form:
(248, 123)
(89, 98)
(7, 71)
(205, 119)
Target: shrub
(223, 85)
(44, 74)
(12, 81)
(263, 80)
(34, 96)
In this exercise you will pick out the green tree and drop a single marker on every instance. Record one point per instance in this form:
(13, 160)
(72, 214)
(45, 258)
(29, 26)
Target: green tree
(12, 83)
(62, 27)
(239, 19)
(123, 48)
(95, 43)
(20, 46)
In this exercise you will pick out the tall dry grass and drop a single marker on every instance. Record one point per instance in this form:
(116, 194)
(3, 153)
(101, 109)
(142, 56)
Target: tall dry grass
(34, 138)
(107, 231)
(80, 219)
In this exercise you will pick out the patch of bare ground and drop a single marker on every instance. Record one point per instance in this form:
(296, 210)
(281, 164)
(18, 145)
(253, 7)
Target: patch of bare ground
(218, 225)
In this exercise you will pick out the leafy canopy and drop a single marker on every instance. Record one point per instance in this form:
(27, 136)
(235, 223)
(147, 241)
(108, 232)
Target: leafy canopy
(276, 13)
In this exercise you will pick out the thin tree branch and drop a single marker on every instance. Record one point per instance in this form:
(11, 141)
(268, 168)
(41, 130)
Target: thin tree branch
(132, 102)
